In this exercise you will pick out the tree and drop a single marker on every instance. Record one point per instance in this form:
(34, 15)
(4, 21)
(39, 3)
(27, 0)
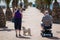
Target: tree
(30, 3)
(14, 4)
(26, 3)
(43, 4)
(56, 12)
(55, 4)
(8, 11)
(38, 3)
(2, 18)
(21, 4)
(48, 3)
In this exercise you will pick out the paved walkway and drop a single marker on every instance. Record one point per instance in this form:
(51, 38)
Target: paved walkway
(31, 19)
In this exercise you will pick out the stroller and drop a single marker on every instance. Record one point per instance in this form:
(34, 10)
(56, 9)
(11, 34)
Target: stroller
(46, 31)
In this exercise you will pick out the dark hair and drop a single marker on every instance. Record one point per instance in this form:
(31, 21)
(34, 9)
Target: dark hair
(18, 11)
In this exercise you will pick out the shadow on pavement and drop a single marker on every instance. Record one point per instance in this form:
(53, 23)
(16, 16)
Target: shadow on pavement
(58, 31)
(56, 23)
(54, 38)
(6, 29)
(24, 37)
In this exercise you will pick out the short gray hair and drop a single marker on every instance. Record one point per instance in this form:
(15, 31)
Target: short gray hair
(46, 12)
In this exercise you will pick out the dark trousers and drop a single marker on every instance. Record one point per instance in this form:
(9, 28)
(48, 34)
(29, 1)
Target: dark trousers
(17, 23)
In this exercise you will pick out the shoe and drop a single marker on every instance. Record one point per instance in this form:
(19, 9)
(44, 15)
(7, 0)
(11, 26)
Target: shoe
(19, 35)
(16, 35)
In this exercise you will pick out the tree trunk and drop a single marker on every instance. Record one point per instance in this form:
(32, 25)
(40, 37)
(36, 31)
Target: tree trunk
(14, 4)
(25, 3)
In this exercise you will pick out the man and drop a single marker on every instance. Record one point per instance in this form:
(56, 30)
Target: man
(46, 20)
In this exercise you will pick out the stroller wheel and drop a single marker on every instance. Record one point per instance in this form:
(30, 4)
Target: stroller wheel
(42, 35)
(51, 35)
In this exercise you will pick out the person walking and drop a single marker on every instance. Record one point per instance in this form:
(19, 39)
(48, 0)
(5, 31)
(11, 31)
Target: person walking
(17, 21)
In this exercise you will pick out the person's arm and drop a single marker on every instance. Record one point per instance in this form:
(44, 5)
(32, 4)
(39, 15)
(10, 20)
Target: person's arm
(13, 14)
(42, 19)
(21, 13)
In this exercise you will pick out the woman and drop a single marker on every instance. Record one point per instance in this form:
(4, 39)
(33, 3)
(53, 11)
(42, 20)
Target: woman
(17, 21)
